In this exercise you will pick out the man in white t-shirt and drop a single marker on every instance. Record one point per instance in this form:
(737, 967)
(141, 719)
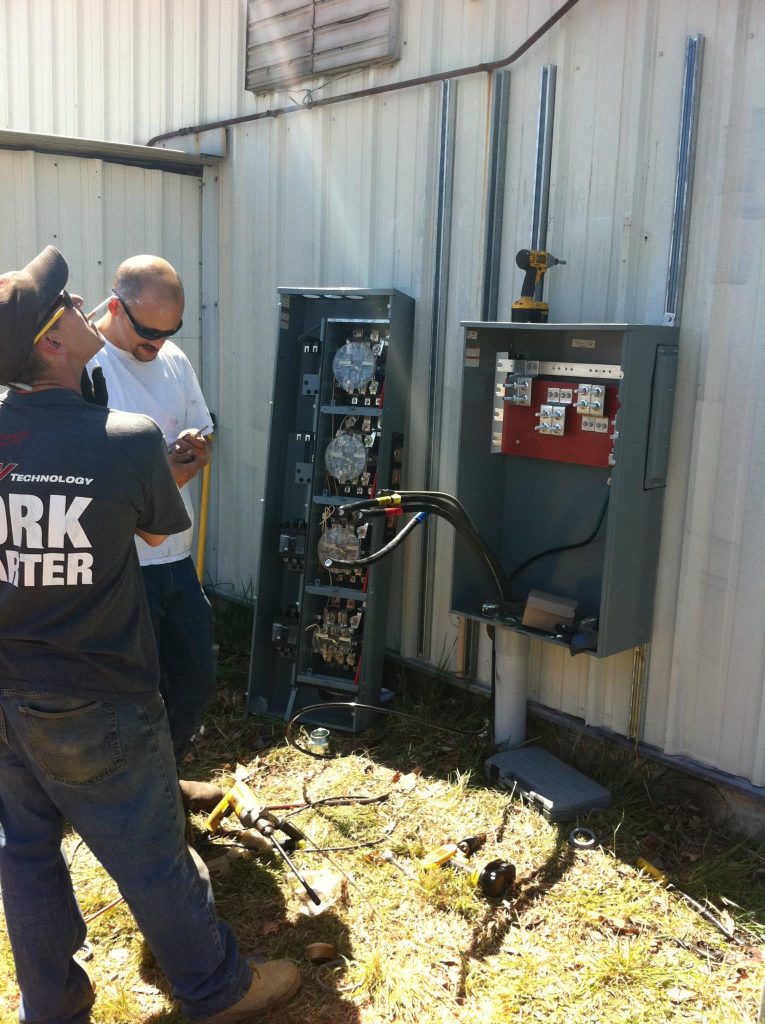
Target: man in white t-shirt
(147, 373)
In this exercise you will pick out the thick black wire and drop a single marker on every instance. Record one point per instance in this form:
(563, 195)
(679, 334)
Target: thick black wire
(564, 547)
(350, 705)
(448, 508)
(380, 553)
(467, 526)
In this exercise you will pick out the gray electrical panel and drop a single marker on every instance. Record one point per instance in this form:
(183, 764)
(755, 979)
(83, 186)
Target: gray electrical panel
(563, 457)
(341, 389)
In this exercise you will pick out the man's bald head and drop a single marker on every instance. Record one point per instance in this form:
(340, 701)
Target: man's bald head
(142, 278)
(146, 308)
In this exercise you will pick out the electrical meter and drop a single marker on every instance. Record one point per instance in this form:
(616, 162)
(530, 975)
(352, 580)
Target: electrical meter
(353, 365)
(341, 387)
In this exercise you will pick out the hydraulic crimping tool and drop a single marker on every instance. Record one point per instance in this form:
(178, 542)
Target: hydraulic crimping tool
(241, 801)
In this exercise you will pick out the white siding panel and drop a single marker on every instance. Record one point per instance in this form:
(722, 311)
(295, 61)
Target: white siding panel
(98, 214)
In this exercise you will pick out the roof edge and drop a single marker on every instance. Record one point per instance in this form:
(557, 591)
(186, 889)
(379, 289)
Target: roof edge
(111, 152)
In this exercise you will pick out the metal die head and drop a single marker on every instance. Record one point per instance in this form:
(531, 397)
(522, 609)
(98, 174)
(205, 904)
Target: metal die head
(552, 420)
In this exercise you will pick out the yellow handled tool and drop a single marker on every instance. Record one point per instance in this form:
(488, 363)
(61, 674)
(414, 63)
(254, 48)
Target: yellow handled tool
(662, 879)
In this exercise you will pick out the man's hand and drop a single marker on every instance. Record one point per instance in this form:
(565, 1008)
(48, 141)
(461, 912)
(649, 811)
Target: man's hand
(190, 453)
(94, 391)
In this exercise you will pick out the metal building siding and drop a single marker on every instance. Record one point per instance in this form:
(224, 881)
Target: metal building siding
(99, 213)
(322, 204)
(346, 195)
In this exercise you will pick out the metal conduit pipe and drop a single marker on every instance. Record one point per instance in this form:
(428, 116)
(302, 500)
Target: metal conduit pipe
(377, 90)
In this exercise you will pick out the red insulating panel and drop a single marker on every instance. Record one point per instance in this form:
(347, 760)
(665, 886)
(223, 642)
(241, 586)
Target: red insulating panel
(584, 447)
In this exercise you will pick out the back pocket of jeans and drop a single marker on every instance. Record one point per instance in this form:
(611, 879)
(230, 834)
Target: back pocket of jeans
(77, 746)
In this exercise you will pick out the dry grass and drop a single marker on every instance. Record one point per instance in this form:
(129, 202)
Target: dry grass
(586, 939)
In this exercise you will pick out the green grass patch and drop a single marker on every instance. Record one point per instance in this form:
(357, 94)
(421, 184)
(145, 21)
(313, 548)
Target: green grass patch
(586, 937)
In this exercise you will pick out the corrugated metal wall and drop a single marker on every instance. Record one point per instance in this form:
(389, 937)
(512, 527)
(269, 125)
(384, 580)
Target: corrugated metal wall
(98, 213)
(346, 195)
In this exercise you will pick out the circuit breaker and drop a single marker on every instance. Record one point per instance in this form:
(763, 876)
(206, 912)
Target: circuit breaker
(338, 425)
(563, 457)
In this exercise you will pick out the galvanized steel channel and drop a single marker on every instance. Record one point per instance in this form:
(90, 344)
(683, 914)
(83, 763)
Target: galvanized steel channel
(543, 162)
(689, 114)
(495, 197)
(438, 324)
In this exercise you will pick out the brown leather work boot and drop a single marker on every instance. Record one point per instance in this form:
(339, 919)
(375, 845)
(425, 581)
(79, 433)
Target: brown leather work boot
(200, 796)
(272, 983)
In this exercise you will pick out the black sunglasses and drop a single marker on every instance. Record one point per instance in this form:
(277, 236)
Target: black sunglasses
(147, 333)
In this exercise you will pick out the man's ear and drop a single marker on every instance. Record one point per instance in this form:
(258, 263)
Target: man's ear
(49, 345)
(114, 305)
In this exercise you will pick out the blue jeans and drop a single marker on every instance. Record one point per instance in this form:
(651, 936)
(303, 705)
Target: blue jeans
(109, 770)
(183, 625)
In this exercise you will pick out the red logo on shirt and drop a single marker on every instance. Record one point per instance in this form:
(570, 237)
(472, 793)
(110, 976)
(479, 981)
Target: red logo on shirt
(6, 468)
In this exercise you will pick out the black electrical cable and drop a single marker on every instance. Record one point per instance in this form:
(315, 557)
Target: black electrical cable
(472, 537)
(468, 532)
(330, 563)
(441, 504)
(351, 705)
(467, 526)
(564, 547)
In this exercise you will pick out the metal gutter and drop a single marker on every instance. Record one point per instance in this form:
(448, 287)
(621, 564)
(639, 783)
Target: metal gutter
(110, 152)
(443, 76)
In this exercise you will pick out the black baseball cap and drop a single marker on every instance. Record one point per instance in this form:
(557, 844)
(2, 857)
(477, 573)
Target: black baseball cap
(25, 297)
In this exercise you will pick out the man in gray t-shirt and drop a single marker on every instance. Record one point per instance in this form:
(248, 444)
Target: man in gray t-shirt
(84, 736)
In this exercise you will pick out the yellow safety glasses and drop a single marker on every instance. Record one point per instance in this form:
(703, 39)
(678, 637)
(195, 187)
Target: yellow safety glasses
(54, 314)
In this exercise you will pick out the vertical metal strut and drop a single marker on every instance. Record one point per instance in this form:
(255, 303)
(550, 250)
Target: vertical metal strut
(543, 161)
(495, 197)
(437, 343)
(673, 299)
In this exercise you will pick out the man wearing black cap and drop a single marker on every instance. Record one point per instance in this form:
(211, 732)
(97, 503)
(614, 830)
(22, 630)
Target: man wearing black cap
(83, 730)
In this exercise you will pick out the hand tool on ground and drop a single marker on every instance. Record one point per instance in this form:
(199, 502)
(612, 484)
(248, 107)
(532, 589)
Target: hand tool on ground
(454, 851)
(654, 872)
(241, 800)
(530, 309)
(494, 879)
(387, 855)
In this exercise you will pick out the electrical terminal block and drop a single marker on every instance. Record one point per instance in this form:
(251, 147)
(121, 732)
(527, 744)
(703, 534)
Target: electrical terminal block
(595, 424)
(591, 399)
(517, 390)
(552, 420)
(336, 635)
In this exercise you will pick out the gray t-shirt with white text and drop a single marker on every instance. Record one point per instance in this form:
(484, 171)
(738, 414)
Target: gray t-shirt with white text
(76, 481)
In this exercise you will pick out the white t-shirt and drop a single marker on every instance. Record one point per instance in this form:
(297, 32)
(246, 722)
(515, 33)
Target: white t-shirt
(166, 389)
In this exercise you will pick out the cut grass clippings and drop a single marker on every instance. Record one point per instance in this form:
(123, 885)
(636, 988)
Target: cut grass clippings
(586, 937)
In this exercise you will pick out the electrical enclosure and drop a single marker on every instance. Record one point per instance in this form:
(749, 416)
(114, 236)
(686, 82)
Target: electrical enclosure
(564, 446)
(341, 388)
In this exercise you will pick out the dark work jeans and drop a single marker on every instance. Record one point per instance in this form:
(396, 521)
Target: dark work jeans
(183, 625)
(109, 770)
